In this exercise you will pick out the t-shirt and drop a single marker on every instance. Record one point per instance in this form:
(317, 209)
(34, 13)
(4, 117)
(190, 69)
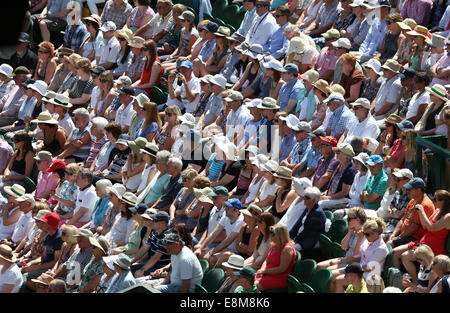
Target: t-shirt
(415, 103)
(103, 156)
(194, 86)
(234, 170)
(80, 87)
(185, 265)
(412, 216)
(86, 199)
(52, 243)
(12, 276)
(232, 228)
(124, 115)
(361, 289)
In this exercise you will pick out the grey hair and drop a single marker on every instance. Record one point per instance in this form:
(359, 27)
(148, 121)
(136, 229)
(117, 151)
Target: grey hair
(86, 173)
(82, 111)
(291, 28)
(166, 2)
(176, 162)
(102, 184)
(313, 192)
(100, 122)
(164, 156)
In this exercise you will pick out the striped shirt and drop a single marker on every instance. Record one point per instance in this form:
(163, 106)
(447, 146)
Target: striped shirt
(83, 151)
(215, 167)
(95, 149)
(155, 242)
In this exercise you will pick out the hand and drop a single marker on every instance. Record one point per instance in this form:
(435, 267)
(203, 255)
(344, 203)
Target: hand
(182, 78)
(360, 234)
(260, 272)
(419, 207)
(406, 283)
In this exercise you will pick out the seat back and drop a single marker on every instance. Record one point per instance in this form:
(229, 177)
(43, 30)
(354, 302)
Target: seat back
(387, 264)
(205, 266)
(213, 279)
(326, 246)
(338, 230)
(304, 269)
(329, 215)
(293, 284)
(200, 289)
(158, 96)
(447, 245)
(229, 14)
(321, 280)
(219, 7)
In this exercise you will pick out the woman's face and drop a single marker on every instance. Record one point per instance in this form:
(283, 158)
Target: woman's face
(170, 117)
(353, 222)
(204, 86)
(122, 147)
(370, 236)
(97, 252)
(136, 51)
(242, 57)
(176, 14)
(100, 192)
(346, 68)
(56, 175)
(43, 53)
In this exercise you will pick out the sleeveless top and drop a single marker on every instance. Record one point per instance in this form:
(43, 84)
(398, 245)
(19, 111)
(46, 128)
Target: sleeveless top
(390, 45)
(435, 239)
(41, 76)
(217, 58)
(64, 257)
(136, 21)
(203, 222)
(18, 166)
(147, 74)
(53, 146)
(273, 210)
(250, 78)
(244, 182)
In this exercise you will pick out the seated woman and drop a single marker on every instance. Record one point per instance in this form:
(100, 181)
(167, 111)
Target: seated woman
(352, 78)
(279, 262)
(389, 135)
(80, 88)
(204, 206)
(101, 206)
(10, 276)
(90, 47)
(151, 123)
(114, 170)
(284, 195)
(106, 154)
(420, 100)
(149, 157)
(54, 136)
(373, 82)
(134, 71)
(173, 37)
(373, 252)
(267, 84)
(441, 267)
(106, 95)
(309, 14)
(351, 242)
(68, 193)
(392, 38)
(69, 236)
(124, 57)
(193, 210)
(265, 221)
(258, 178)
(93, 271)
(198, 44)
(267, 193)
(419, 47)
(430, 120)
(184, 197)
(357, 31)
(252, 69)
(133, 168)
(141, 14)
(165, 138)
(396, 157)
(152, 70)
(345, 17)
(405, 48)
(245, 178)
(46, 65)
(410, 136)
(123, 223)
(424, 256)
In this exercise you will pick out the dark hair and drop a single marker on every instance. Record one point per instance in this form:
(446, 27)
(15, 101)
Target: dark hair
(422, 77)
(143, 2)
(125, 55)
(61, 173)
(127, 214)
(151, 46)
(284, 10)
(443, 195)
(185, 234)
(114, 128)
(357, 144)
(27, 146)
(269, 219)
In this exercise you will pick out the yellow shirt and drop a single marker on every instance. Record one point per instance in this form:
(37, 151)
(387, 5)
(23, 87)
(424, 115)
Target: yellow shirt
(362, 288)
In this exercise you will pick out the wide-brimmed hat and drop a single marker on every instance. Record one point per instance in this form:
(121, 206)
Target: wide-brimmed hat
(123, 261)
(255, 211)
(403, 173)
(342, 43)
(45, 118)
(403, 26)
(94, 18)
(236, 37)
(6, 69)
(116, 189)
(137, 144)
(223, 31)
(15, 190)
(203, 195)
(27, 198)
(311, 76)
(43, 279)
(100, 242)
(322, 85)
(61, 100)
(273, 64)
(362, 158)
(39, 86)
(254, 50)
(21, 70)
(393, 119)
(129, 198)
(219, 80)
(49, 95)
(43, 156)
(235, 261)
(332, 33)
(296, 45)
(436, 41)
(259, 160)
(150, 149)
(300, 185)
(375, 65)
(268, 103)
(136, 42)
(419, 30)
(283, 172)
(7, 254)
(346, 149)
(392, 65)
(270, 166)
(438, 90)
(410, 22)
(291, 120)
(242, 47)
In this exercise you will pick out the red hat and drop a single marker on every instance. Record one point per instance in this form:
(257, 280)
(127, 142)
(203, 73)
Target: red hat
(330, 140)
(57, 164)
(51, 219)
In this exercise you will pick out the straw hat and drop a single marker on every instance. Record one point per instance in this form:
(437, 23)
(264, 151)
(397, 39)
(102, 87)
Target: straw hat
(235, 261)
(136, 42)
(7, 254)
(15, 190)
(43, 279)
(346, 149)
(253, 211)
(268, 103)
(129, 198)
(116, 189)
(94, 18)
(419, 30)
(125, 32)
(410, 22)
(202, 195)
(283, 172)
(439, 91)
(403, 26)
(45, 118)
(311, 76)
(436, 41)
(392, 65)
(393, 119)
(101, 242)
(322, 85)
(61, 100)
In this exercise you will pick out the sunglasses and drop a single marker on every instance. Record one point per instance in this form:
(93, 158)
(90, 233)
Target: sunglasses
(144, 49)
(308, 197)
(388, 22)
(63, 233)
(349, 218)
(389, 125)
(277, 16)
(260, 5)
(43, 52)
(184, 180)
(121, 39)
(103, 80)
(169, 114)
(367, 234)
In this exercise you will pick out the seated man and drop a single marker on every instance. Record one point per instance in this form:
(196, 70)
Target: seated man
(291, 90)
(172, 187)
(327, 59)
(196, 150)
(47, 182)
(245, 282)
(52, 18)
(327, 163)
(340, 115)
(117, 12)
(159, 26)
(237, 117)
(78, 143)
(11, 102)
(301, 147)
(277, 44)
(354, 277)
(306, 230)
(324, 20)
(185, 268)
(308, 165)
(214, 105)
(109, 47)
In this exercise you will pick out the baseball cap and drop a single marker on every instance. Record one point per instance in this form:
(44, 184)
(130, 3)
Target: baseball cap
(148, 213)
(23, 37)
(404, 173)
(160, 216)
(234, 95)
(57, 164)
(302, 126)
(51, 219)
(98, 70)
(139, 209)
(108, 26)
(235, 203)
(127, 90)
(219, 191)
(405, 124)
(186, 64)
(416, 182)
(211, 27)
(365, 103)
(342, 43)
(318, 133)
(407, 73)
(291, 68)
(374, 160)
(329, 140)
(123, 139)
(354, 268)
(171, 238)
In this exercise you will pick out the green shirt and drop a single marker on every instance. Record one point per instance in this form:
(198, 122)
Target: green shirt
(361, 289)
(377, 184)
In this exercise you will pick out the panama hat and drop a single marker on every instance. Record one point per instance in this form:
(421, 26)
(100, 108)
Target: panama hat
(45, 118)
(15, 190)
(283, 172)
(7, 254)
(439, 91)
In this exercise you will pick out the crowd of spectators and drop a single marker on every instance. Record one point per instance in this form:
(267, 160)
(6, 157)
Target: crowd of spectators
(310, 109)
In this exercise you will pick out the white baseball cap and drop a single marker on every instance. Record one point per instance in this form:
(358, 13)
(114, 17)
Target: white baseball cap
(6, 69)
(108, 26)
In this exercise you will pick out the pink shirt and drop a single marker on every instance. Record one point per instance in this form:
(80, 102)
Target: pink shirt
(418, 10)
(326, 61)
(46, 181)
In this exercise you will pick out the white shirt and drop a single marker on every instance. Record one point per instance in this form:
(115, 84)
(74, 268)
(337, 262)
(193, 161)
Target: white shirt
(358, 185)
(194, 86)
(144, 177)
(262, 29)
(390, 91)
(231, 228)
(121, 229)
(133, 181)
(214, 218)
(253, 191)
(267, 190)
(94, 96)
(109, 50)
(367, 128)
(415, 103)
(124, 114)
(6, 231)
(22, 227)
(236, 120)
(12, 276)
(86, 199)
(67, 124)
(103, 156)
(293, 213)
(185, 265)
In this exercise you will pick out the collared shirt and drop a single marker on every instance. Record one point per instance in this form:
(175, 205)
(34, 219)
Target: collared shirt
(307, 105)
(5, 88)
(400, 199)
(109, 50)
(68, 192)
(56, 6)
(67, 124)
(154, 240)
(26, 109)
(339, 120)
(135, 125)
(96, 145)
(159, 23)
(324, 166)
(6, 152)
(117, 15)
(236, 121)
(58, 78)
(374, 38)
(376, 184)
(46, 181)
(29, 59)
(277, 43)
(390, 91)
(170, 192)
(300, 150)
(418, 10)
(290, 90)
(362, 288)
(75, 35)
(293, 213)
(228, 69)
(22, 227)
(262, 28)
(287, 143)
(443, 62)
(358, 32)
(311, 158)
(373, 255)
(357, 187)
(125, 114)
(367, 128)
(188, 106)
(136, 66)
(213, 108)
(247, 22)
(326, 61)
(87, 198)
(121, 282)
(328, 14)
(207, 50)
(12, 101)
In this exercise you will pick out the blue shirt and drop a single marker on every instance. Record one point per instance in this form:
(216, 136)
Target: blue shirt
(56, 6)
(75, 35)
(228, 69)
(121, 282)
(152, 128)
(277, 43)
(247, 22)
(26, 109)
(100, 210)
(339, 120)
(215, 167)
(287, 143)
(300, 150)
(290, 90)
(311, 159)
(213, 108)
(374, 38)
(207, 50)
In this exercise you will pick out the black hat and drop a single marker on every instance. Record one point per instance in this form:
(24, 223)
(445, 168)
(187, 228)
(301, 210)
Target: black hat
(211, 27)
(98, 70)
(355, 268)
(317, 133)
(139, 209)
(28, 82)
(384, 3)
(408, 73)
(127, 90)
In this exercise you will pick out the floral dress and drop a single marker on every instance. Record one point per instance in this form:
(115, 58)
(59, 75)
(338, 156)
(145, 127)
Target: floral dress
(70, 193)
(90, 271)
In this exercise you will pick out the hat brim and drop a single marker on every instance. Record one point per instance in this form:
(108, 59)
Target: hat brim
(226, 264)
(390, 69)
(12, 260)
(283, 177)
(8, 190)
(436, 94)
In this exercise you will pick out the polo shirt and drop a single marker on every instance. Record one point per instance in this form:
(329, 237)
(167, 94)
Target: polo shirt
(22, 227)
(29, 59)
(109, 50)
(362, 288)
(328, 14)
(247, 22)
(52, 243)
(277, 43)
(86, 199)
(155, 242)
(45, 182)
(390, 91)
(412, 216)
(125, 114)
(373, 255)
(290, 90)
(327, 165)
(326, 61)
(213, 108)
(339, 120)
(367, 128)
(377, 184)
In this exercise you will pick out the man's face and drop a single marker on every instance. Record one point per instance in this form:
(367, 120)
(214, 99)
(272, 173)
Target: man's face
(172, 248)
(186, 71)
(81, 183)
(325, 148)
(230, 212)
(24, 206)
(83, 242)
(375, 169)
(43, 165)
(216, 89)
(261, 8)
(108, 35)
(301, 135)
(388, 74)
(163, 9)
(360, 112)
(218, 200)
(248, 5)
(124, 98)
(287, 76)
(281, 19)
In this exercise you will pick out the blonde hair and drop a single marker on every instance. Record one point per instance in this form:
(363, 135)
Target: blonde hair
(359, 213)
(190, 174)
(348, 58)
(443, 263)
(174, 109)
(39, 205)
(70, 231)
(84, 64)
(411, 136)
(424, 252)
(375, 225)
(72, 168)
(49, 46)
(281, 232)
